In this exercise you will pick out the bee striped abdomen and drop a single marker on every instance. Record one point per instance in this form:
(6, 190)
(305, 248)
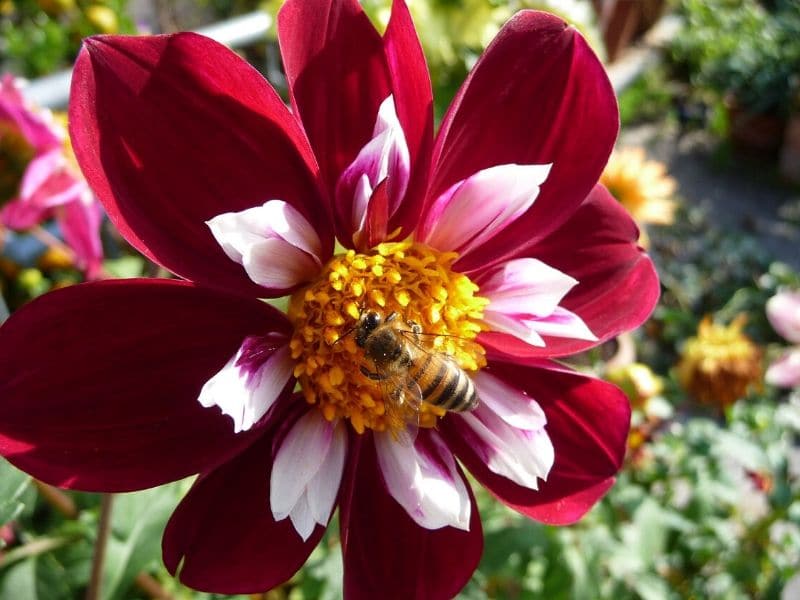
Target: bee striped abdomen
(444, 384)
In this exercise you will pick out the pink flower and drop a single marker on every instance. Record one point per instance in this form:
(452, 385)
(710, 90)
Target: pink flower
(783, 312)
(38, 181)
(494, 227)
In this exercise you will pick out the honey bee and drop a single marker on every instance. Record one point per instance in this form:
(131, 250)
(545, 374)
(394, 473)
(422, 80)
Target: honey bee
(409, 373)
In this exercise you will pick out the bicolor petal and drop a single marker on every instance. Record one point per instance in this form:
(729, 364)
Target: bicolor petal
(783, 312)
(476, 209)
(524, 296)
(507, 431)
(278, 248)
(130, 357)
(413, 95)
(544, 97)
(617, 285)
(307, 472)
(384, 158)
(336, 69)
(135, 106)
(422, 477)
(383, 547)
(252, 380)
(587, 422)
(223, 538)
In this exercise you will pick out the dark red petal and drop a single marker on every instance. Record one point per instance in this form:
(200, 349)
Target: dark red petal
(538, 95)
(171, 131)
(337, 76)
(99, 382)
(387, 555)
(587, 420)
(413, 97)
(224, 533)
(618, 285)
(377, 215)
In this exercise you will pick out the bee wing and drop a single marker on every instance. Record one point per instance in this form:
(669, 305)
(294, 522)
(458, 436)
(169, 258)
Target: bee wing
(442, 344)
(403, 400)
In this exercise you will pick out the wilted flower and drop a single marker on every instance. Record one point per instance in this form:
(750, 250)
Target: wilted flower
(203, 168)
(39, 178)
(642, 186)
(721, 364)
(783, 312)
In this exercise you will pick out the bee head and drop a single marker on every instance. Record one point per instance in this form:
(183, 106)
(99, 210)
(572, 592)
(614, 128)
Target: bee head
(368, 323)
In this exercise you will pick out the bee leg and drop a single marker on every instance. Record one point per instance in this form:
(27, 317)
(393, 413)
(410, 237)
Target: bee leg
(374, 376)
(416, 328)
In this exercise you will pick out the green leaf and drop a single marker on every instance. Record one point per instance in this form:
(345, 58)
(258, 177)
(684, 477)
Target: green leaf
(138, 521)
(13, 483)
(124, 267)
(38, 578)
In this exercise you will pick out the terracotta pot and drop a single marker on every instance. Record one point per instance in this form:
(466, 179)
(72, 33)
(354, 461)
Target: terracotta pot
(621, 21)
(790, 151)
(756, 135)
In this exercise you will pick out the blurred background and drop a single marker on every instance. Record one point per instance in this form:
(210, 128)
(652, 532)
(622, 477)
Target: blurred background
(708, 163)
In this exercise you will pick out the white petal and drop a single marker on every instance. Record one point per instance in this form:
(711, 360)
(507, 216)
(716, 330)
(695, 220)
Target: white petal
(514, 325)
(508, 403)
(277, 245)
(297, 461)
(563, 323)
(525, 285)
(302, 519)
(246, 394)
(275, 263)
(424, 480)
(474, 210)
(523, 456)
(324, 486)
(385, 156)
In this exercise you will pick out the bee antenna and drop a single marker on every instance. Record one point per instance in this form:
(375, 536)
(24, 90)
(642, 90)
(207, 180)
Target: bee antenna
(346, 333)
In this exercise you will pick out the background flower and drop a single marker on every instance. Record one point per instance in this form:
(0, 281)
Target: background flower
(39, 179)
(783, 312)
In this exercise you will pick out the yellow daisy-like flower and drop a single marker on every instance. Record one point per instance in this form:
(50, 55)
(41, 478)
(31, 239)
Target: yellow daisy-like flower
(642, 186)
(721, 364)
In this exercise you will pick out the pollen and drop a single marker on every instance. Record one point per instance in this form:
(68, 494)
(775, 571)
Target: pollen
(408, 278)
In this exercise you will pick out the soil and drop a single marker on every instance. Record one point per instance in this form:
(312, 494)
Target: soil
(740, 194)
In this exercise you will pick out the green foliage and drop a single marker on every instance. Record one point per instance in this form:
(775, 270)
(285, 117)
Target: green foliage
(38, 37)
(52, 555)
(739, 48)
(648, 98)
(13, 483)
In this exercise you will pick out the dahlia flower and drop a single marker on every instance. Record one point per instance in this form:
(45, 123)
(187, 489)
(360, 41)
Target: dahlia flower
(783, 312)
(493, 237)
(720, 364)
(39, 180)
(642, 186)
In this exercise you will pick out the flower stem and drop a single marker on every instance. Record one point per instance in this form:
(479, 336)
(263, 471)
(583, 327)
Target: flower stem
(150, 586)
(51, 241)
(57, 499)
(103, 531)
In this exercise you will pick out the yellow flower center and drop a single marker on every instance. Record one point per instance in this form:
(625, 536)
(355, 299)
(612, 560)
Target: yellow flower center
(15, 155)
(407, 278)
